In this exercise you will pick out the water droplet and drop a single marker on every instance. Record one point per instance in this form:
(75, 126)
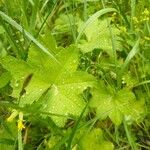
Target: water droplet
(17, 84)
(72, 106)
(55, 89)
(44, 106)
(66, 114)
(23, 96)
(22, 78)
(53, 108)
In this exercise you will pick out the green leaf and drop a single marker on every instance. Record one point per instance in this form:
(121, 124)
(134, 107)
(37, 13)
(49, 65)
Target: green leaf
(92, 19)
(66, 84)
(131, 54)
(98, 36)
(27, 34)
(63, 23)
(49, 41)
(8, 135)
(117, 106)
(62, 84)
(4, 79)
(19, 70)
(94, 140)
(2, 30)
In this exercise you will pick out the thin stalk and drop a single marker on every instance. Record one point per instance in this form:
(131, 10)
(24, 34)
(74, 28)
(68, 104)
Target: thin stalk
(24, 21)
(49, 15)
(131, 54)
(116, 135)
(91, 20)
(20, 145)
(112, 40)
(148, 27)
(122, 14)
(129, 137)
(19, 53)
(72, 25)
(20, 127)
(133, 4)
(85, 10)
(76, 128)
(34, 16)
(27, 34)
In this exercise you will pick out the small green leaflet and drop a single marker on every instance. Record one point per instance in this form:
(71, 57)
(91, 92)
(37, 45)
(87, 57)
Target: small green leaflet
(119, 106)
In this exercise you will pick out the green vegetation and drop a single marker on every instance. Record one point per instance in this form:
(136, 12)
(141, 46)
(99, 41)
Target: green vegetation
(74, 75)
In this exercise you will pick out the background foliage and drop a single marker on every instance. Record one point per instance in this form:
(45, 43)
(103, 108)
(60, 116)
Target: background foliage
(74, 74)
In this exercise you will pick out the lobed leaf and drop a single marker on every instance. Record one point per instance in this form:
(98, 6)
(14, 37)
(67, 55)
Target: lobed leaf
(117, 106)
(98, 36)
(94, 140)
(61, 83)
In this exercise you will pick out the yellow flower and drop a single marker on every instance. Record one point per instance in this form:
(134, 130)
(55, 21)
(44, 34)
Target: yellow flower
(135, 20)
(145, 19)
(20, 121)
(146, 12)
(12, 116)
(147, 38)
(20, 125)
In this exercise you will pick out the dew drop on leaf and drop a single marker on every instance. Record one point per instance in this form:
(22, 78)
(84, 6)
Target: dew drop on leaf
(17, 84)
(23, 96)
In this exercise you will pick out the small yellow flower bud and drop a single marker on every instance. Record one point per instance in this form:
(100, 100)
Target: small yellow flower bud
(20, 125)
(146, 12)
(135, 20)
(147, 38)
(20, 121)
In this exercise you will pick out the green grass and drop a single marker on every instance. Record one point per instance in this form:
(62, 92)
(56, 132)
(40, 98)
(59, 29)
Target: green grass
(76, 74)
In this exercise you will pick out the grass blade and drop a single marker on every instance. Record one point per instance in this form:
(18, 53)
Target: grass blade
(75, 128)
(34, 16)
(133, 4)
(92, 19)
(17, 50)
(20, 145)
(27, 34)
(142, 83)
(20, 127)
(131, 54)
(129, 137)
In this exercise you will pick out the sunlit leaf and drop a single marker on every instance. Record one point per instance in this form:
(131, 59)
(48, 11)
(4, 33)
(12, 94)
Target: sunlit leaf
(98, 36)
(64, 84)
(8, 135)
(117, 106)
(94, 140)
